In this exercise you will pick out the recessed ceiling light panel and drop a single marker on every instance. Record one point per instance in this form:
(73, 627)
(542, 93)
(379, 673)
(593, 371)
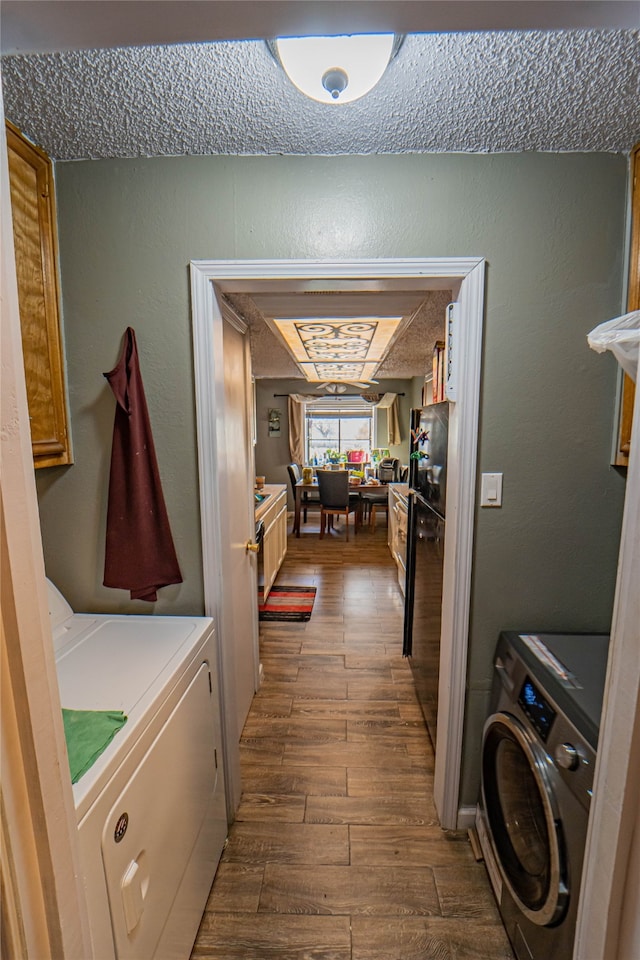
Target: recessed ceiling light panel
(337, 348)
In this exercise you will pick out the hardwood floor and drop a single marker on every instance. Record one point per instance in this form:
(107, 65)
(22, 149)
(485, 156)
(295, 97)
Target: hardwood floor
(336, 852)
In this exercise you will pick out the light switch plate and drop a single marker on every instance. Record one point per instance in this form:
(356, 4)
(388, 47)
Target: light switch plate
(491, 490)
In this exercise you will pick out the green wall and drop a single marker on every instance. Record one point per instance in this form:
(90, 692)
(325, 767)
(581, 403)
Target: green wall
(551, 227)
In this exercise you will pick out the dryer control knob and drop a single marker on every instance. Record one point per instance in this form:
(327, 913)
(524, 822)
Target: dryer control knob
(566, 756)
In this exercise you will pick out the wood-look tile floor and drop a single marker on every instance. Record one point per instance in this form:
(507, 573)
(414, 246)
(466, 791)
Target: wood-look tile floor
(336, 852)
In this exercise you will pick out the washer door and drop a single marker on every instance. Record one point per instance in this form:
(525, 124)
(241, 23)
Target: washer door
(523, 821)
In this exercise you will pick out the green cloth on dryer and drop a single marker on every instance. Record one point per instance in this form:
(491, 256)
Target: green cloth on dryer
(88, 733)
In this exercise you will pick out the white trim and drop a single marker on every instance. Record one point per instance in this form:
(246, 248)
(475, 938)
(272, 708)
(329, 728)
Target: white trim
(465, 276)
(207, 344)
(253, 276)
(467, 817)
(233, 318)
(456, 599)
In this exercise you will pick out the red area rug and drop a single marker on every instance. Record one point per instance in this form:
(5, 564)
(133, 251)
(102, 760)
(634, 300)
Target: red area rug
(287, 603)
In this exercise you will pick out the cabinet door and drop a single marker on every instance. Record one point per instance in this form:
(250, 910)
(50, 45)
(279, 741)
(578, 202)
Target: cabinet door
(633, 303)
(274, 544)
(281, 524)
(34, 226)
(391, 527)
(270, 550)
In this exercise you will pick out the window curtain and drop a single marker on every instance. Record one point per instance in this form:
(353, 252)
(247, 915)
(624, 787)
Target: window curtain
(388, 402)
(296, 405)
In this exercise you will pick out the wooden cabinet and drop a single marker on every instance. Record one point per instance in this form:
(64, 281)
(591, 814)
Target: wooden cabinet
(633, 303)
(273, 513)
(34, 232)
(397, 531)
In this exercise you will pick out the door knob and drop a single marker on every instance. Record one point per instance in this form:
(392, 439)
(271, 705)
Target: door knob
(252, 547)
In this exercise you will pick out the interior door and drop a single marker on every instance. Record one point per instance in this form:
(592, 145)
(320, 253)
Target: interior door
(224, 400)
(236, 477)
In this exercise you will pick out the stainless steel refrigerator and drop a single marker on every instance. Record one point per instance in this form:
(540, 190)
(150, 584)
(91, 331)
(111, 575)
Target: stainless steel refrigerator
(425, 554)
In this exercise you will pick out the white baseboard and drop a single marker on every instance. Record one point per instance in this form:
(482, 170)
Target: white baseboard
(466, 817)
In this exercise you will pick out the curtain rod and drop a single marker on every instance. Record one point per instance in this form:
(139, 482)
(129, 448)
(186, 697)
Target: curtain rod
(328, 395)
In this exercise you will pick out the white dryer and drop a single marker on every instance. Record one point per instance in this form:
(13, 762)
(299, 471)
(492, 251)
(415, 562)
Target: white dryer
(151, 810)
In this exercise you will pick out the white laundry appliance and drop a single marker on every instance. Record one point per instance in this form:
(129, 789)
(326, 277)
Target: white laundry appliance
(151, 810)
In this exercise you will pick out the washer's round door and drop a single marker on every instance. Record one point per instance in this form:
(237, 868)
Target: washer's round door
(523, 822)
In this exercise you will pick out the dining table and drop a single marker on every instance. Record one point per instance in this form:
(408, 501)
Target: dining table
(309, 486)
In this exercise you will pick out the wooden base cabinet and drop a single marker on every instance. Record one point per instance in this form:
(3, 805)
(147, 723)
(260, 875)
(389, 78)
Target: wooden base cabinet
(398, 511)
(274, 543)
(34, 235)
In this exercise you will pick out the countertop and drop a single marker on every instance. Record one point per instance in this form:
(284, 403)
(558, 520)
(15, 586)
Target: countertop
(272, 490)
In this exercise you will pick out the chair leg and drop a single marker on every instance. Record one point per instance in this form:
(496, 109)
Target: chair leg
(372, 519)
(322, 522)
(346, 523)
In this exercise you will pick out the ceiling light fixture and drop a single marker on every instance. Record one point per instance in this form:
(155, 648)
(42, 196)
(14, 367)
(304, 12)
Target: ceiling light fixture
(336, 69)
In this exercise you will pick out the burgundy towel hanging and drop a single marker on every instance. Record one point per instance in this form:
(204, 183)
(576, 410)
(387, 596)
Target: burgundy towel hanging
(139, 551)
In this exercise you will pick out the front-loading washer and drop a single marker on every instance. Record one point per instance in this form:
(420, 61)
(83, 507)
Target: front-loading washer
(538, 755)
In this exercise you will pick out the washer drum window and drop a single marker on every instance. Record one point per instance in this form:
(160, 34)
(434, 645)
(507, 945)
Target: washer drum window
(524, 826)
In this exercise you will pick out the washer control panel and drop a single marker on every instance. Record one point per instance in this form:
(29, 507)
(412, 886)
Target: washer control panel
(566, 756)
(566, 749)
(537, 708)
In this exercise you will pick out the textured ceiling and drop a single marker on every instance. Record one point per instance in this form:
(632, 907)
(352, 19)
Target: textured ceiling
(467, 92)
(504, 91)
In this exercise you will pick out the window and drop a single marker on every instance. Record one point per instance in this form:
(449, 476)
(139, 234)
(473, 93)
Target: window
(338, 424)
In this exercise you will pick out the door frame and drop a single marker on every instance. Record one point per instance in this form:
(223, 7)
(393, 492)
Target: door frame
(465, 277)
(44, 908)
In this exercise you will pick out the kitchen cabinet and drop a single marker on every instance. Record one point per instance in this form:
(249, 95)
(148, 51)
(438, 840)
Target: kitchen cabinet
(633, 303)
(397, 531)
(273, 513)
(34, 232)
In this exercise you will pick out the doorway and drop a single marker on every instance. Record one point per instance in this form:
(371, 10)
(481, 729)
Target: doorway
(465, 277)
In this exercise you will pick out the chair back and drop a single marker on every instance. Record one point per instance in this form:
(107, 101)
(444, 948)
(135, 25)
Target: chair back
(294, 475)
(333, 487)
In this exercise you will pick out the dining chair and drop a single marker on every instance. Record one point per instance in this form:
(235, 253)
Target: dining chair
(372, 501)
(333, 486)
(309, 498)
